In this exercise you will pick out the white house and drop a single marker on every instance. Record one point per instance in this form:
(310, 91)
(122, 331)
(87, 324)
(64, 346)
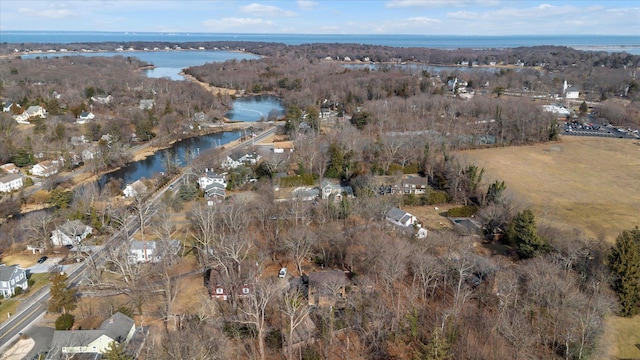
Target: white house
(70, 233)
(10, 182)
(406, 222)
(91, 153)
(35, 110)
(7, 106)
(10, 168)
(216, 191)
(234, 160)
(209, 178)
(281, 147)
(44, 168)
(101, 99)
(135, 189)
(84, 117)
(152, 251)
(12, 277)
(146, 104)
(119, 328)
(22, 118)
(572, 93)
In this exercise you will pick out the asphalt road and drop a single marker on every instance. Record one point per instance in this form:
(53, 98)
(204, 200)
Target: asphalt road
(36, 305)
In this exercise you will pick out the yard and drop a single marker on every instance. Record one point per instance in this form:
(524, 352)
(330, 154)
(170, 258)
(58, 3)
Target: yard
(589, 184)
(10, 305)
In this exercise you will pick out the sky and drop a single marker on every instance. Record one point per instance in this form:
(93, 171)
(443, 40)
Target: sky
(425, 17)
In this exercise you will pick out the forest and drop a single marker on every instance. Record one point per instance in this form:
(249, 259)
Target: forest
(543, 294)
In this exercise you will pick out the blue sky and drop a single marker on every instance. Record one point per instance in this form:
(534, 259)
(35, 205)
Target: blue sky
(429, 17)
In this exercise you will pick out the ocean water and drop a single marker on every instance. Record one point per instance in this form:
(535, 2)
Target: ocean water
(630, 44)
(168, 64)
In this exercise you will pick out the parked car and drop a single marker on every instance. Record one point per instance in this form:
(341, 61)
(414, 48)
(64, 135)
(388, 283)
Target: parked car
(282, 273)
(42, 259)
(69, 246)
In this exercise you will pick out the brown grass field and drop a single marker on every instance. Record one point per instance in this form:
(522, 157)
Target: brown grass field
(588, 184)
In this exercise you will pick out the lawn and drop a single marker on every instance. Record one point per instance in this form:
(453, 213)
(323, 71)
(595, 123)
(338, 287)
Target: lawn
(588, 184)
(10, 305)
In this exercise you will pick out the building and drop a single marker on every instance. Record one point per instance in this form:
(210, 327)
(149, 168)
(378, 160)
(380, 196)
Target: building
(10, 168)
(44, 168)
(84, 117)
(209, 178)
(234, 160)
(135, 189)
(11, 182)
(35, 110)
(152, 251)
(70, 233)
(326, 288)
(101, 99)
(12, 277)
(215, 191)
(119, 328)
(90, 153)
(147, 104)
(221, 288)
(406, 222)
(281, 147)
(334, 191)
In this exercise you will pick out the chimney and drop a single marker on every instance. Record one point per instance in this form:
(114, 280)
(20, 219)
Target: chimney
(144, 247)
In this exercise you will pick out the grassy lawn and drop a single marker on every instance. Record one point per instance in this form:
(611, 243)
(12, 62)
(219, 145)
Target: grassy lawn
(10, 305)
(588, 184)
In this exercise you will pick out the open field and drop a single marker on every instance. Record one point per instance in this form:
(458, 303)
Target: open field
(588, 184)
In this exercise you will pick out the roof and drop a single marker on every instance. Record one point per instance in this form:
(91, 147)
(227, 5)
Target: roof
(416, 180)
(283, 144)
(116, 327)
(74, 228)
(9, 178)
(7, 271)
(398, 215)
(45, 164)
(141, 245)
(9, 167)
(328, 278)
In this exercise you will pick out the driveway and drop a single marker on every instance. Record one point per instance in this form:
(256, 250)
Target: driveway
(45, 267)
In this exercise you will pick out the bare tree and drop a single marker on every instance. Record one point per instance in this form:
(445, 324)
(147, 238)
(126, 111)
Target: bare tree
(254, 310)
(299, 242)
(295, 307)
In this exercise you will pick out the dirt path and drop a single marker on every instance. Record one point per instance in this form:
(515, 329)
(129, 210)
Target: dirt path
(212, 89)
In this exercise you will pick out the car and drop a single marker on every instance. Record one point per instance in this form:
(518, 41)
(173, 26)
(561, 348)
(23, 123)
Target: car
(171, 186)
(69, 246)
(42, 259)
(282, 273)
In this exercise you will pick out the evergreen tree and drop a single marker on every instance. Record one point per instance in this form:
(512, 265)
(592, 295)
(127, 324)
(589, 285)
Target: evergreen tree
(523, 234)
(438, 347)
(62, 299)
(115, 351)
(64, 322)
(624, 262)
(495, 191)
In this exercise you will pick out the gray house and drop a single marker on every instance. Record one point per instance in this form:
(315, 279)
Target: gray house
(119, 328)
(12, 277)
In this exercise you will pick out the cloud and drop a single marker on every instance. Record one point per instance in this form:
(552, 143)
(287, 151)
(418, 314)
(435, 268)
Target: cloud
(225, 24)
(266, 10)
(421, 20)
(307, 5)
(439, 3)
(47, 13)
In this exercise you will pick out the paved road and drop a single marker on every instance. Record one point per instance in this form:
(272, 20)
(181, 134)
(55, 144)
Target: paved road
(36, 306)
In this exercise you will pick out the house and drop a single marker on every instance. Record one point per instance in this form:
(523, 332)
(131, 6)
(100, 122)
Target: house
(221, 288)
(70, 233)
(91, 152)
(147, 104)
(209, 178)
(199, 117)
(335, 191)
(35, 110)
(84, 117)
(281, 147)
(79, 140)
(216, 191)
(12, 277)
(101, 99)
(119, 328)
(466, 225)
(44, 168)
(327, 287)
(10, 182)
(152, 251)
(7, 107)
(22, 118)
(135, 189)
(10, 168)
(414, 185)
(406, 222)
(234, 160)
